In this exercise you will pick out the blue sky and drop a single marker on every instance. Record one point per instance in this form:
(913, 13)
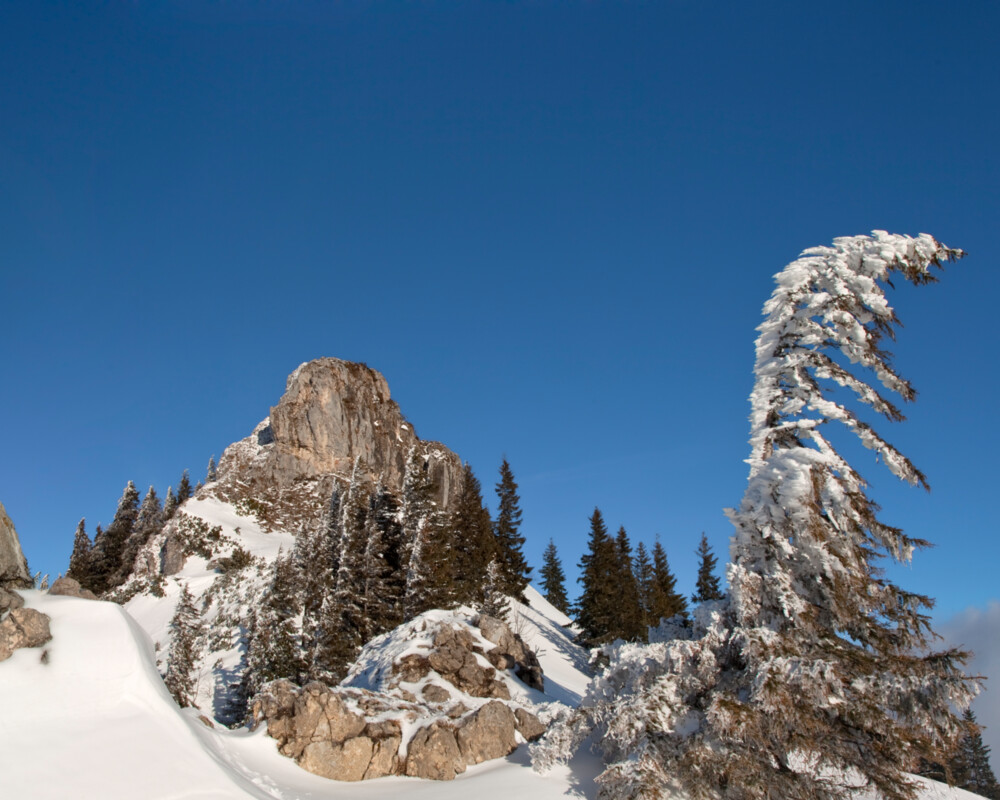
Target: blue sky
(551, 226)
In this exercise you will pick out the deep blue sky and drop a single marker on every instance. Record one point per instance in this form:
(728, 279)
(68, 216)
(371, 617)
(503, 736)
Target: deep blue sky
(551, 226)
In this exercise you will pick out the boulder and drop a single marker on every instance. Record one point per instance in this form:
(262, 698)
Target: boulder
(23, 627)
(13, 564)
(343, 762)
(9, 599)
(71, 588)
(433, 753)
(528, 725)
(385, 758)
(433, 693)
(511, 652)
(487, 734)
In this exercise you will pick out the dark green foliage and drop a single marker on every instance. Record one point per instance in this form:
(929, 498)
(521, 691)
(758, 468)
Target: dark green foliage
(425, 544)
(707, 585)
(169, 504)
(664, 599)
(471, 545)
(513, 566)
(315, 557)
(970, 766)
(185, 629)
(598, 575)
(184, 490)
(495, 602)
(109, 545)
(273, 650)
(79, 560)
(627, 621)
(381, 593)
(148, 523)
(644, 582)
(553, 579)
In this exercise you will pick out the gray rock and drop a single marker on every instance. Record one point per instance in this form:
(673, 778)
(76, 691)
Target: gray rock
(528, 725)
(71, 588)
(511, 652)
(23, 627)
(343, 762)
(385, 758)
(487, 734)
(9, 599)
(433, 693)
(13, 564)
(433, 753)
(172, 556)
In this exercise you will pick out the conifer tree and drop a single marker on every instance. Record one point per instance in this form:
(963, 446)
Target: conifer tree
(149, 522)
(971, 766)
(169, 504)
(79, 560)
(185, 630)
(553, 579)
(598, 575)
(814, 678)
(424, 540)
(644, 583)
(494, 602)
(184, 490)
(349, 588)
(471, 544)
(509, 541)
(377, 589)
(707, 585)
(665, 600)
(273, 651)
(628, 611)
(110, 544)
(212, 473)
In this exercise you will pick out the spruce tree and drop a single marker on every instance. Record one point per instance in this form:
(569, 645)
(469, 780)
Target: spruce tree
(494, 602)
(972, 770)
(212, 473)
(707, 585)
(598, 576)
(148, 523)
(79, 560)
(628, 617)
(110, 544)
(184, 490)
(424, 536)
(510, 543)
(665, 600)
(186, 629)
(471, 544)
(273, 650)
(169, 504)
(553, 579)
(378, 605)
(644, 583)
(814, 678)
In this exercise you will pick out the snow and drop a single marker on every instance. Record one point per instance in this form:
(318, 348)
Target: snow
(97, 722)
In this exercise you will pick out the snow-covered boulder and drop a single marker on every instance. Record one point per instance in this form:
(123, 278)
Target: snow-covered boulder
(23, 627)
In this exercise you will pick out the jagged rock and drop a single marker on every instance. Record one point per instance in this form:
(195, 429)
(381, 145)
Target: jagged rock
(69, 587)
(412, 668)
(528, 725)
(172, 556)
(344, 762)
(13, 564)
(434, 753)
(487, 734)
(9, 599)
(385, 758)
(23, 627)
(332, 412)
(511, 652)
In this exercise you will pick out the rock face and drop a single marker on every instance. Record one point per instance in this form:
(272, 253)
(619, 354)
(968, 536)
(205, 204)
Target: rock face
(23, 627)
(71, 588)
(13, 565)
(332, 413)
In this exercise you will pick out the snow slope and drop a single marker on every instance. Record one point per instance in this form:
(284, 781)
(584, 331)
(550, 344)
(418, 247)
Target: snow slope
(95, 722)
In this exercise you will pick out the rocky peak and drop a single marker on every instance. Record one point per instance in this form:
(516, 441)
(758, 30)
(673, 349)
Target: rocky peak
(13, 564)
(333, 413)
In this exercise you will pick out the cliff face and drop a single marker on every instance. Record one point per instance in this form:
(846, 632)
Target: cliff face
(333, 413)
(13, 565)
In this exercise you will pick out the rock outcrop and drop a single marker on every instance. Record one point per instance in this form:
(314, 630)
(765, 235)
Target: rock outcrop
(13, 564)
(333, 413)
(68, 587)
(23, 627)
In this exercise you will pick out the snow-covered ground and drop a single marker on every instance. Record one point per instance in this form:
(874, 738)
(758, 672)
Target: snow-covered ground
(94, 721)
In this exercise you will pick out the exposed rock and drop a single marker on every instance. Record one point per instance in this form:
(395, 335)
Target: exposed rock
(385, 758)
(23, 627)
(13, 564)
(434, 754)
(344, 762)
(9, 599)
(332, 413)
(528, 725)
(511, 652)
(172, 556)
(433, 693)
(69, 587)
(412, 668)
(487, 734)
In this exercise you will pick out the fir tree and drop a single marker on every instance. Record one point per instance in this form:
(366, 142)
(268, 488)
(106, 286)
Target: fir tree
(424, 540)
(598, 575)
(553, 579)
(815, 658)
(665, 600)
(628, 611)
(148, 523)
(471, 544)
(110, 544)
(644, 583)
(169, 504)
(971, 766)
(212, 473)
(379, 593)
(79, 560)
(273, 651)
(495, 602)
(707, 585)
(509, 542)
(185, 630)
(184, 490)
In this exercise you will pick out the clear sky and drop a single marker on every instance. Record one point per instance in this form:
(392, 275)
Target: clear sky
(550, 225)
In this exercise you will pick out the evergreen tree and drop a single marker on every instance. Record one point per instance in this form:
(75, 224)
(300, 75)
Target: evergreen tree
(212, 473)
(972, 770)
(471, 544)
(495, 602)
(169, 504)
(185, 630)
(110, 544)
(379, 594)
(598, 575)
(815, 657)
(707, 585)
(509, 542)
(79, 560)
(628, 617)
(665, 600)
(553, 579)
(273, 650)
(148, 523)
(184, 490)
(644, 583)
(424, 540)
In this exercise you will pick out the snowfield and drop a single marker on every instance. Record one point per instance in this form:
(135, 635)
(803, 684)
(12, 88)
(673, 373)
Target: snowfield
(94, 721)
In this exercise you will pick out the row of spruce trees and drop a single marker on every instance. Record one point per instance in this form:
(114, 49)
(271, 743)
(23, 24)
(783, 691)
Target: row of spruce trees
(623, 595)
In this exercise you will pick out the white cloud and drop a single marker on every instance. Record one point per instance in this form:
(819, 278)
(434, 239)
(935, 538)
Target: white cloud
(978, 630)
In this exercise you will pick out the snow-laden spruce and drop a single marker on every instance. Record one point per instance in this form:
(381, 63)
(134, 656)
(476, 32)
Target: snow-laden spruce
(813, 678)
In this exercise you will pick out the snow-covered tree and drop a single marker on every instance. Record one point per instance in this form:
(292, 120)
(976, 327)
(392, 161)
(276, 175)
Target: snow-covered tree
(212, 473)
(495, 602)
(815, 677)
(148, 523)
(185, 630)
